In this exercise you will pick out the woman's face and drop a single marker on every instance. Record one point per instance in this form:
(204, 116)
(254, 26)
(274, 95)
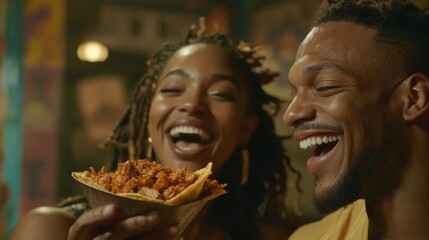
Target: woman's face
(198, 114)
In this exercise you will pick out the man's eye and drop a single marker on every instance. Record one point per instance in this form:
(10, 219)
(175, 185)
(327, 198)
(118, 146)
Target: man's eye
(292, 91)
(326, 88)
(326, 91)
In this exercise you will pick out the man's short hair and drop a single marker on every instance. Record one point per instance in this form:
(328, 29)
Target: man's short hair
(401, 26)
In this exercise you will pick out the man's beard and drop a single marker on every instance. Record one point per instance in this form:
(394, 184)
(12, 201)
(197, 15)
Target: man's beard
(349, 187)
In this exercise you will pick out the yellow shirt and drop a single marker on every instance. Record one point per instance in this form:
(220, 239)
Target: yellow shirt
(348, 223)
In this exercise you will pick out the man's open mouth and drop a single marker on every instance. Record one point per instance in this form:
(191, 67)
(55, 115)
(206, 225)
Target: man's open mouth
(321, 144)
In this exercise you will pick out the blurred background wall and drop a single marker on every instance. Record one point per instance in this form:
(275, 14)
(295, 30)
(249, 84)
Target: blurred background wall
(67, 68)
(3, 105)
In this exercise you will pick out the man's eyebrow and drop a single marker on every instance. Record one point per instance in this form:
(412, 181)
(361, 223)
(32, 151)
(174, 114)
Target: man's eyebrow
(321, 66)
(289, 84)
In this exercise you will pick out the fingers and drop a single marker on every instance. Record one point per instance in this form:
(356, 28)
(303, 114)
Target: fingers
(164, 234)
(86, 225)
(133, 225)
(169, 233)
(107, 222)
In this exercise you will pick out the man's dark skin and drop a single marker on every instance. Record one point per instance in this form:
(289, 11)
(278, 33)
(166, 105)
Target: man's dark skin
(345, 86)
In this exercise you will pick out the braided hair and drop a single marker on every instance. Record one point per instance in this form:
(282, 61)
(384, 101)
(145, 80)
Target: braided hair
(240, 209)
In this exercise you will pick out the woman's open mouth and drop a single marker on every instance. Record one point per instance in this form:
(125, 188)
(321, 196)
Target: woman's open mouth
(189, 140)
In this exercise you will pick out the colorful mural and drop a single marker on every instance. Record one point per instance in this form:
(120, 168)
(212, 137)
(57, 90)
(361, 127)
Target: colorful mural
(12, 82)
(43, 67)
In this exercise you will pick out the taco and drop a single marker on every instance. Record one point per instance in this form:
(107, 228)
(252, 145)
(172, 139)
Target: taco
(151, 182)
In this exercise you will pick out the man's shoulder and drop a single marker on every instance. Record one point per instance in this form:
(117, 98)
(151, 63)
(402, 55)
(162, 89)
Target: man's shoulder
(350, 222)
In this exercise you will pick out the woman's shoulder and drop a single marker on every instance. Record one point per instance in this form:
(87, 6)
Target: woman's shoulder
(45, 222)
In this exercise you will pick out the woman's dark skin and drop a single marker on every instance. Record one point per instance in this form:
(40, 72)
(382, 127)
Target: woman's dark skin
(199, 91)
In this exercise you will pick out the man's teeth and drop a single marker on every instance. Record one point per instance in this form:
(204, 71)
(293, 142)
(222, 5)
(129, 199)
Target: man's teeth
(313, 141)
(174, 132)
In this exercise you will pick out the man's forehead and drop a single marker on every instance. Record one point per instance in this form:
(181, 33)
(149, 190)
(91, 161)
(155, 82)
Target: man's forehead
(347, 34)
(341, 43)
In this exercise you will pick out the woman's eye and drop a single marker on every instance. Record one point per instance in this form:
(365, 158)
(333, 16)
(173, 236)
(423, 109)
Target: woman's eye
(171, 90)
(223, 96)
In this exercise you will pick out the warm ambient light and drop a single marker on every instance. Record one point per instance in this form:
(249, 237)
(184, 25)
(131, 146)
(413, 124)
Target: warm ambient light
(92, 52)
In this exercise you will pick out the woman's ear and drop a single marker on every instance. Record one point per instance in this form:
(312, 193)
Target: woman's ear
(251, 122)
(416, 96)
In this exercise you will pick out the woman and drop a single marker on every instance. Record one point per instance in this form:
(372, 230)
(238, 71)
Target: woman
(201, 101)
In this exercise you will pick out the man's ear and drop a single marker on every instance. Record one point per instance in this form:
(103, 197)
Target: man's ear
(249, 126)
(416, 96)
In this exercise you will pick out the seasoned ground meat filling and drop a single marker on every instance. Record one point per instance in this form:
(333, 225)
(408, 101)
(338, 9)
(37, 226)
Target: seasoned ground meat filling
(149, 179)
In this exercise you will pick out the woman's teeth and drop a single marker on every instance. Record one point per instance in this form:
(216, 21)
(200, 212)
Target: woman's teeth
(175, 132)
(319, 140)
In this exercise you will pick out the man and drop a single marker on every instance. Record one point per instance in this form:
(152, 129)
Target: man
(360, 88)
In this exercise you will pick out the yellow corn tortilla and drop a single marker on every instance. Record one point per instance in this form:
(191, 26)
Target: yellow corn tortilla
(191, 193)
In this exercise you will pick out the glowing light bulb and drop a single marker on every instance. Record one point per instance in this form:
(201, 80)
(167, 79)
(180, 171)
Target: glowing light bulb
(92, 51)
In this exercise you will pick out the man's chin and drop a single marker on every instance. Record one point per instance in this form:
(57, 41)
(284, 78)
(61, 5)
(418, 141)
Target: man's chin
(328, 204)
(350, 185)
(334, 197)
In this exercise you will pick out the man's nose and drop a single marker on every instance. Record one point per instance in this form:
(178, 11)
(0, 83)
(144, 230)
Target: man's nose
(298, 111)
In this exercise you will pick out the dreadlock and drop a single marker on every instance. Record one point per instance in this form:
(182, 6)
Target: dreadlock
(243, 205)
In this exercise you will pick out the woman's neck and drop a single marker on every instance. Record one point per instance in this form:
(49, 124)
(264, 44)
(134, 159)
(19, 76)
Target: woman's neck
(205, 226)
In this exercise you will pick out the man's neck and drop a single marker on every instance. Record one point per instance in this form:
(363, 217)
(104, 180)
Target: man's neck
(404, 213)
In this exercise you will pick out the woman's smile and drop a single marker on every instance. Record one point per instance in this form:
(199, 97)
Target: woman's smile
(188, 141)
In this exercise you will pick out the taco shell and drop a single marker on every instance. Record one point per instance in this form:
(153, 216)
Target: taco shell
(179, 210)
(189, 194)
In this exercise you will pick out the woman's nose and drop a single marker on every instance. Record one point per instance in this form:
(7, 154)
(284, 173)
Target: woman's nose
(298, 111)
(193, 103)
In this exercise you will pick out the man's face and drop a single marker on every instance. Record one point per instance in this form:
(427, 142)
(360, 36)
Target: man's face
(339, 109)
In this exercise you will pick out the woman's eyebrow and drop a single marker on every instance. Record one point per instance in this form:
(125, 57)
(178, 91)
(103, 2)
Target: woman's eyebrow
(222, 77)
(215, 77)
(179, 72)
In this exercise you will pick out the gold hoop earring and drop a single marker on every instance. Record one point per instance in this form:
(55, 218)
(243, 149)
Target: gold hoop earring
(149, 149)
(244, 166)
